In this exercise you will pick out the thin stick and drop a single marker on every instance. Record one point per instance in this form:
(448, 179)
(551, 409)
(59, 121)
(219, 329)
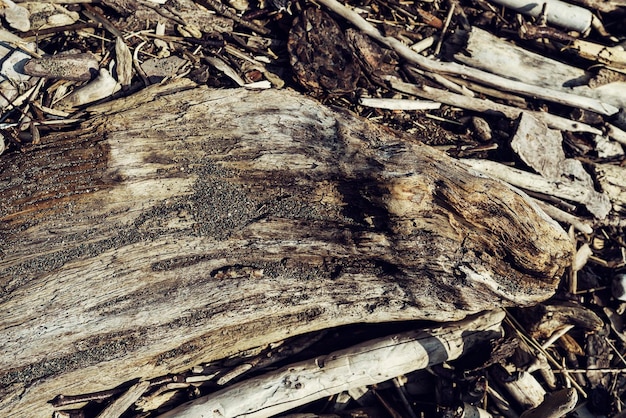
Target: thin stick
(535, 344)
(94, 15)
(488, 106)
(121, 404)
(446, 24)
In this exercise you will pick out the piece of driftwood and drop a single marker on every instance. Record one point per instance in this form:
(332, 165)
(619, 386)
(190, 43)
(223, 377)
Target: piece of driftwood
(495, 55)
(612, 179)
(183, 224)
(555, 12)
(364, 364)
(555, 405)
(541, 149)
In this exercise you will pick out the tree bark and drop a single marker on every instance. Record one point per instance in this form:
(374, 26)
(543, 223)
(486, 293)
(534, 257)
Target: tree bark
(182, 225)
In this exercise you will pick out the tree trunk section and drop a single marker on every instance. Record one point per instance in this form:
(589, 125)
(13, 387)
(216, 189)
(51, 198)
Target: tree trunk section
(183, 224)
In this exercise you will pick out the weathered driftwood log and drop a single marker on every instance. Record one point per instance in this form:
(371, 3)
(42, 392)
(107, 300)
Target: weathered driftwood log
(183, 225)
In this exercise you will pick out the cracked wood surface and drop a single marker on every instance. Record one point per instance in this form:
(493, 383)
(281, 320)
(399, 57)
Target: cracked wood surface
(182, 225)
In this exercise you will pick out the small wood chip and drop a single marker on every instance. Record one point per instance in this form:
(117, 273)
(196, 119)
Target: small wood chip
(76, 67)
(121, 404)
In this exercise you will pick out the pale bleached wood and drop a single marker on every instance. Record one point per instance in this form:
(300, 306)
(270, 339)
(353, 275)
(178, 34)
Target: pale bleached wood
(612, 179)
(523, 387)
(398, 104)
(121, 404)
(555, 405)
(490, 53)
(182, 225)
(556, 12)
(606, 6)
(541, 149)
(364, 364)
(565, 217)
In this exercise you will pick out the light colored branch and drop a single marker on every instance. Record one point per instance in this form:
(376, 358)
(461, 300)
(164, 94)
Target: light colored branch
(557, 12)
(562, 216)
(490, 53)
(364, 364)
(487, 106)
(121, 404)
(398, 104)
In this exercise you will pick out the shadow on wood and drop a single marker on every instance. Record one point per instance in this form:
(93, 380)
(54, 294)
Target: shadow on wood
(186, 224)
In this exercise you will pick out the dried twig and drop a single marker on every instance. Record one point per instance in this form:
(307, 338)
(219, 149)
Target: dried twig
(121, 404)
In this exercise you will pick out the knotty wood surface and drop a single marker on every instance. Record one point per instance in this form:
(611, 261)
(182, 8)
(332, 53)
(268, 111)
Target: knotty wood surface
(186, 224)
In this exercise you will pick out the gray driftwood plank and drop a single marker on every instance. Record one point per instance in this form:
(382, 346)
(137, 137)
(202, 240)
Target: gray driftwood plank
(183, 225)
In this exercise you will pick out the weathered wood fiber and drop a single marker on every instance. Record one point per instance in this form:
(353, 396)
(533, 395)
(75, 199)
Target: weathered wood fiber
(183, 225)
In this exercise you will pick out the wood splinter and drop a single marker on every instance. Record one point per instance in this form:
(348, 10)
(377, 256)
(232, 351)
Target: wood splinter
(182, 225)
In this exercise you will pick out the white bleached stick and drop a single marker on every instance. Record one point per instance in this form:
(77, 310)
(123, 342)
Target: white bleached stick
(557, 12)
(398, 104)
(364, 364)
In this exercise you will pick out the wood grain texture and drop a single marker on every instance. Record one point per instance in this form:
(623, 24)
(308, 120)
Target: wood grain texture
(183, 225)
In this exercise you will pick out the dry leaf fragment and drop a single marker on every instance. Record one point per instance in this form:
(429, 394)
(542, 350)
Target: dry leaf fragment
(569, 344)
(76, 67)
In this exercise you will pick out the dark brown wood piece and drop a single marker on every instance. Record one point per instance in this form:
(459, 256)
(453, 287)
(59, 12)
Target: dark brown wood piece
(320, 55)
